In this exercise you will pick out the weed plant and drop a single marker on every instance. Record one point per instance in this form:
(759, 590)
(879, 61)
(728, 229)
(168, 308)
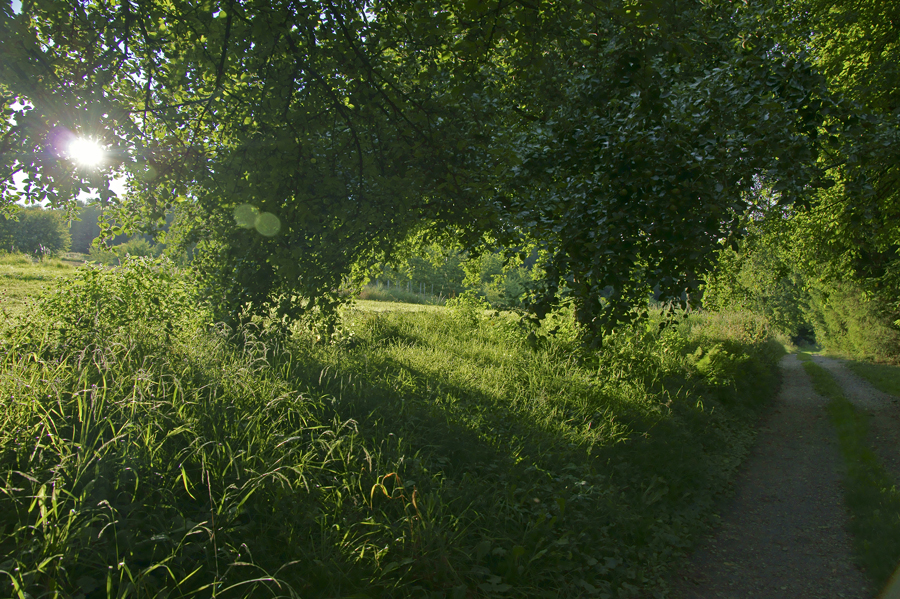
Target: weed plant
(149, 453)
(872, 495)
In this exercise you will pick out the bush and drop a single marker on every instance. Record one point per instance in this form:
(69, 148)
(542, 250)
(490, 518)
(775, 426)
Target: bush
(97, 304)
(135, 247)
(501, 285)
(848, 322)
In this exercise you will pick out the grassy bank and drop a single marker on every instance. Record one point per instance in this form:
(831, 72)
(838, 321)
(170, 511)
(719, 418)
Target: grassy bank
(439, 454)
(871, 493)
(885, 377)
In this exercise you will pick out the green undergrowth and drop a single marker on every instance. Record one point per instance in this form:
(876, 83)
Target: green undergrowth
(871, 493)
(149, 453)
(885, 377)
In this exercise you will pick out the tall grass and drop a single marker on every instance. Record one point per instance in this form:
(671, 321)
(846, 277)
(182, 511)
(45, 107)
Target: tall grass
(148, 453)
(24, 260)
(15, 259)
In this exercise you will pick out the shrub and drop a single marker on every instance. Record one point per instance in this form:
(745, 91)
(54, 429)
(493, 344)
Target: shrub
(134, 247)
(848, 322)
(97, 303)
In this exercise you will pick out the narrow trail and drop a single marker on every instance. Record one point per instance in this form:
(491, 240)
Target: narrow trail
(783, 534)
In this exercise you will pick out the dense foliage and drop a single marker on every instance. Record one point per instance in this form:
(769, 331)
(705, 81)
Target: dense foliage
(808, 300)
(303, 141)
(35, 231)
(437, 452)
(835, 267)
(502, 280)
(857, 224)
(84, 227)
(847, 246)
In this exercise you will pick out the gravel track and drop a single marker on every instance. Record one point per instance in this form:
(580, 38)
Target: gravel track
(783, 534)
(883, 410)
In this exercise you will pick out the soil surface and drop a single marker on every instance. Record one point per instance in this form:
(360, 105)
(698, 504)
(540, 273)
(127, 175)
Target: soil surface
(784, 533)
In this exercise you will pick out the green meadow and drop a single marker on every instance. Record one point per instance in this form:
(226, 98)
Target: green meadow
(23, 279)
(420, 452)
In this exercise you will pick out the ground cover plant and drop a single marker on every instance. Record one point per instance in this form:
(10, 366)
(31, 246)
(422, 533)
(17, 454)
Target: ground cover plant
(870, 491)
(148, 452)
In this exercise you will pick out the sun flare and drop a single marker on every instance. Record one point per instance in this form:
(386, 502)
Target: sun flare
(86, 152)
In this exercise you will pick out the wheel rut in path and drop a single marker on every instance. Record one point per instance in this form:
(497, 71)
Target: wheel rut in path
(784, 533)
(883, 410)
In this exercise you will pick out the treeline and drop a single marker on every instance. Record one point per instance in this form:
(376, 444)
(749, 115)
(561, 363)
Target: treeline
(42, 232)
(35, 231)
(775, 272)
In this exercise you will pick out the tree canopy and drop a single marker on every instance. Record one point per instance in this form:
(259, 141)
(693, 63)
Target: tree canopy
(854, 228)
(301, 140)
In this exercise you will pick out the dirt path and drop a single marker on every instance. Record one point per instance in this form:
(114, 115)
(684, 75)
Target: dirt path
(783, 534)
(883, 410)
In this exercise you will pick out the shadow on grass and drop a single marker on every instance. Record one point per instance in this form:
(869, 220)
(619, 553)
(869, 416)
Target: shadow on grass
(531, 489)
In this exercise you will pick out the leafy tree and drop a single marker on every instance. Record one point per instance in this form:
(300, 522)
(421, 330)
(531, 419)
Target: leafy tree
(804, 296)
(643, 160)
(852, 234)
(305, 140)
(35, 231)
(502, 283)
(761, 277)
(430, 265)
(437, 267)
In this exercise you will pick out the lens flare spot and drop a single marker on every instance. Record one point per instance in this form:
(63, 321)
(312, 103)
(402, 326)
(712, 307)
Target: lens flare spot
(249, 217)
(245, 216)
(86, 152)
(268, 224)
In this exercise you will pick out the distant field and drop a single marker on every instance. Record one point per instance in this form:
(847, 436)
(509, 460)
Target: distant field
(374, 306)
(22, 279)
